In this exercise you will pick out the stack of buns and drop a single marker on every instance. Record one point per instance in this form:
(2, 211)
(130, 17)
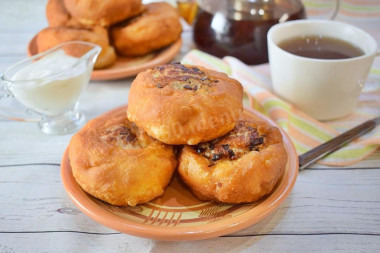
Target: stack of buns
(123, 28)
(185, 117)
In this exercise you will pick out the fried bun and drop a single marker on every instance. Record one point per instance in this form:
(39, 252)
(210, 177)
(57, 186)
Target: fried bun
(102, 12)
(53, 36)
(115, 161)
(157, 27)
(184, 104)
(242, 166)
(57, 15)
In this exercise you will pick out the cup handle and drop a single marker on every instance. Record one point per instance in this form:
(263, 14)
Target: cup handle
(13, 113)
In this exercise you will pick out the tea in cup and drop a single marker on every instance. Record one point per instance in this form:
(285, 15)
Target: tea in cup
(320, 66)
(50, 85)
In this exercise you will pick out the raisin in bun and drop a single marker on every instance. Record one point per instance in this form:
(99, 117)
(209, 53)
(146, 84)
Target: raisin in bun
(157, 27)
(184, 104)
(242, 166)
(117, 162)
(53, 36)
(102, 12)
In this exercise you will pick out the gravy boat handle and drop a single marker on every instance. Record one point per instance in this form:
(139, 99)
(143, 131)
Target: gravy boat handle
(12, 113)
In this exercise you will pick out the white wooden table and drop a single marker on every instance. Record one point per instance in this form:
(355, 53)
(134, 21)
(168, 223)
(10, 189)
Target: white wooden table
(329, 209)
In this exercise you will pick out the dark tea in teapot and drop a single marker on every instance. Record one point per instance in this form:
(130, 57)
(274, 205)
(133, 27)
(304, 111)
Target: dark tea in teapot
(239, 28)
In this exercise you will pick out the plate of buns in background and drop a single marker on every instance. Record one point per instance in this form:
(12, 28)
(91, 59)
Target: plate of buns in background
(133, 36)
(184, 160)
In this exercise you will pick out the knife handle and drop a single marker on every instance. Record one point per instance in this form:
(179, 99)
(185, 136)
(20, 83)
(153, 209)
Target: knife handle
(332, 145)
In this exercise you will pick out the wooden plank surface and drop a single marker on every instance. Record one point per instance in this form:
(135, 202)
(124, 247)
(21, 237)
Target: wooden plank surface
(325, 207)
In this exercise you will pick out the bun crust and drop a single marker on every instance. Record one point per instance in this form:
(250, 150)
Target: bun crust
(53, 36)
(242, 166)
(102, 12)
(117, 162)
(184, 104)
(57, 15)
(157, 27)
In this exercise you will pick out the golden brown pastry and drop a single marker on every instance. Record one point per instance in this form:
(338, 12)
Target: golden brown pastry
(57, 15)
(51, 37)
(156, 28)
(117, 162)
(102, 12)
(242, 166)
(184, 104)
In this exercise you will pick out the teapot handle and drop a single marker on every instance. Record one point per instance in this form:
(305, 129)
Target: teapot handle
(328, 10)
(12, 113)
(336, 10)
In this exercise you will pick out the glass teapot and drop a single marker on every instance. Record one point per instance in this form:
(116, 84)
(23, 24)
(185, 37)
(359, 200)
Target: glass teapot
(239, 27)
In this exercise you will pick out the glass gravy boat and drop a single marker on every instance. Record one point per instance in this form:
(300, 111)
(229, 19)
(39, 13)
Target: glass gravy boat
(48, 86)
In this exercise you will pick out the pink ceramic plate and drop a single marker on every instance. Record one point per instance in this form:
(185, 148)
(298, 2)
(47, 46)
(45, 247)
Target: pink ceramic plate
(127, 67)
(178, 215)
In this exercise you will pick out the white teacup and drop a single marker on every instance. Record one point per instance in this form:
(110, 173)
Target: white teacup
(323, 88)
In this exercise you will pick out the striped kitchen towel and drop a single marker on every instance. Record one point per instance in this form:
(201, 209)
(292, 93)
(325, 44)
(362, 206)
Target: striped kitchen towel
(304, 131)
(352, 9)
